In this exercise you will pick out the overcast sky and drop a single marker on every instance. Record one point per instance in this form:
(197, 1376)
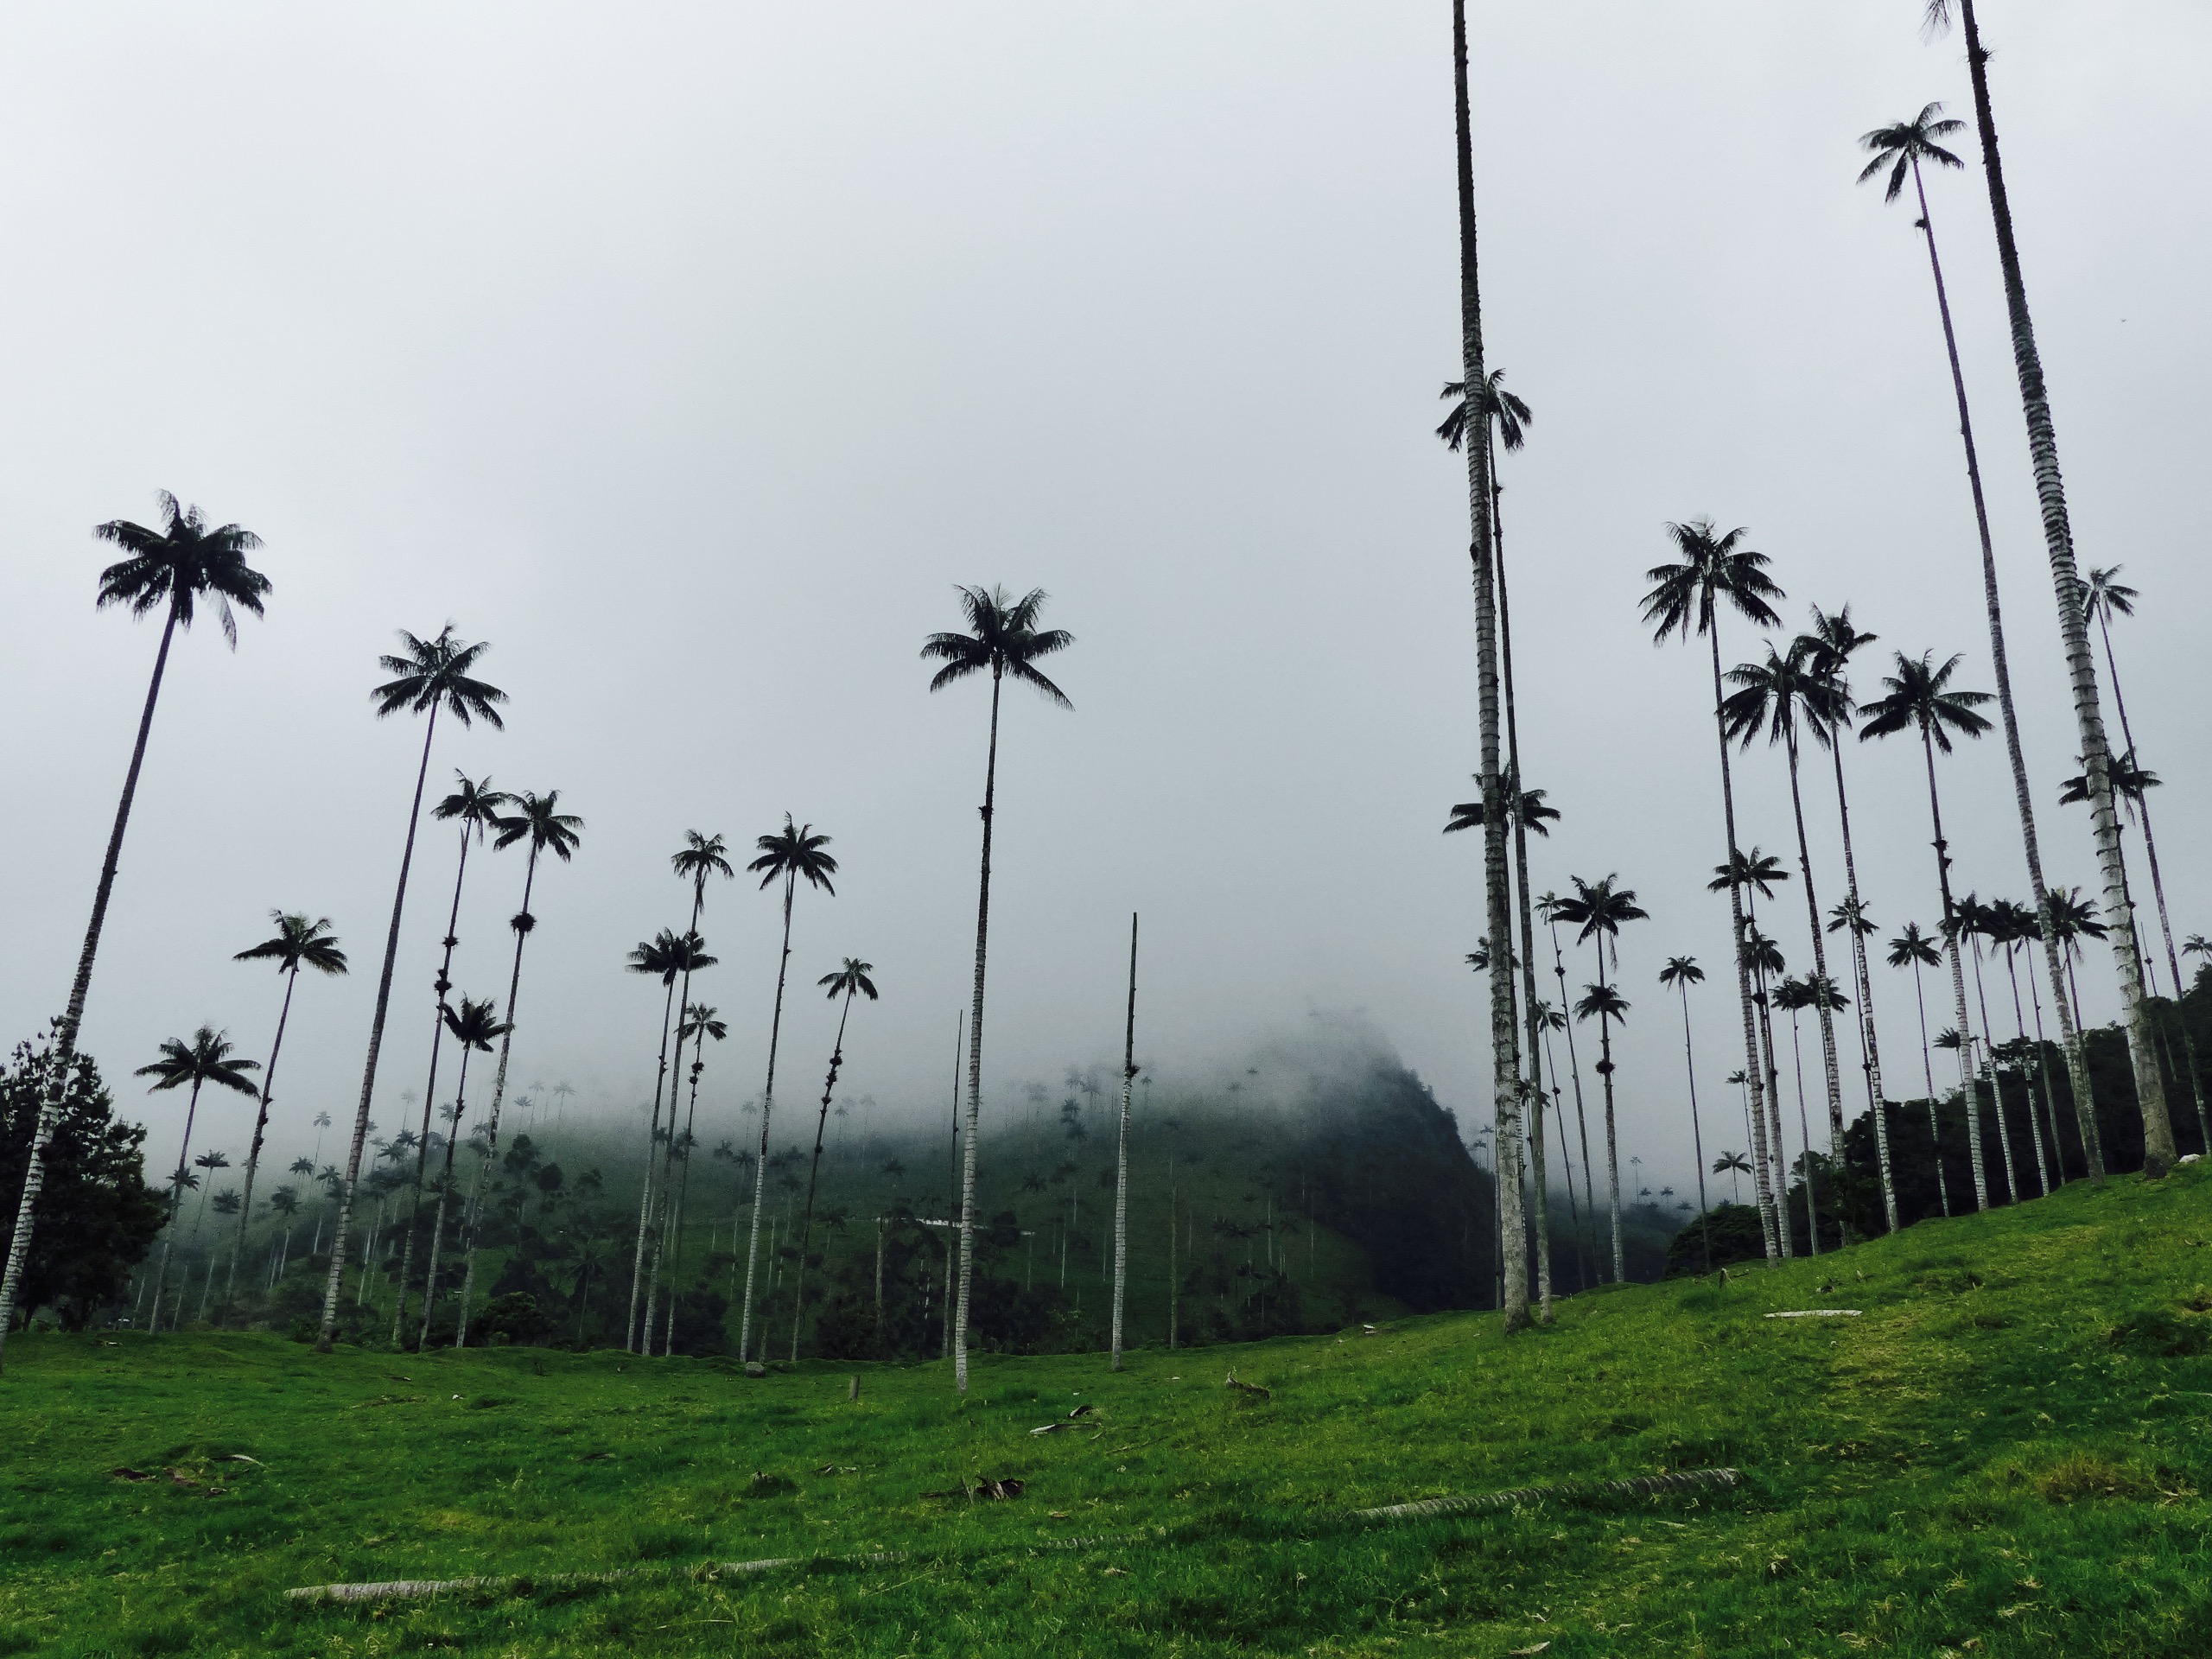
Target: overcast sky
(690, 355)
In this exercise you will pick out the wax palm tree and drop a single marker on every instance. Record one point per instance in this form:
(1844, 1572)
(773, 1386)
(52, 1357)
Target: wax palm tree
(1732, 1164)
(1547, 907)
(1782, 695)
(1830, 643)
(1678, 975)
(1715, 571)
(1507, 1085)
(538, 820)
(790, 855)
(174, 569)
(671, 956)
(844, 982)
(1915, 949)
(2075, 918)
(2008, 925)
(1527, 810)
(700, 1023)
(473, 1025)
(1599, 909)
(1755, 874)
(429, 677)
(297, 943)
(210, 1160)
(1918, 697)
(1003, 641)
(473, 808)
(205, 1059)
(1978, 924)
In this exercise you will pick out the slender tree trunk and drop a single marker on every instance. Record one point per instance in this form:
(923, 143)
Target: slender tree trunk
(1762, 1001)
(1875, 1103)
(1697, 1135)
(1996, 1083)
(1830, 1073)
(168, 1226)
(1928, 1067)
(2027, 1078)
(1805, 1139)
(1770, 1220)
(430, 1090)
(1612, 1150)
(72, 1017)
(683, 1195)
(645, 1198)
(1505, 1036)
(328, 1336)
(2066, 583)
(1588, 1246)
(260, 1129)
(768, 1110)
(664, 1244)
(2049, 1086)
(445, 1190)
(822, 1122)
(1533, 1020)
(524, 923)
(975, 1056)
(1967, 1092)
(1122, 1154)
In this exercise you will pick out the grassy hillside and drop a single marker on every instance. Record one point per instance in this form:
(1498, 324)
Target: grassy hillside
(2005, 1455)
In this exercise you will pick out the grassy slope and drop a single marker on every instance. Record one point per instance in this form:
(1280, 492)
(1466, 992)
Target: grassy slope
(1984, 1468)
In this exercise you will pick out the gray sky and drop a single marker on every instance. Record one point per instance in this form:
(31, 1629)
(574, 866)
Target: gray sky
(690, 354)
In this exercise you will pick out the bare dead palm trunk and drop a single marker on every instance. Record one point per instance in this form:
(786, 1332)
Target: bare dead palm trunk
(1771, 1222)
(430, 1091)
(260, 1129)
(328, 1336)
(1865, 983)
(72, 1017)
(524, 924)
(1505, 1036)
(2066, 583)
(1122, 1152)
(768, 1110)
(1968, 1093)
(966, 1232)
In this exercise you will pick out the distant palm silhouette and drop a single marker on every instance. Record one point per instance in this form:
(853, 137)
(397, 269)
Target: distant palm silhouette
(194, 1062)
(850, 979)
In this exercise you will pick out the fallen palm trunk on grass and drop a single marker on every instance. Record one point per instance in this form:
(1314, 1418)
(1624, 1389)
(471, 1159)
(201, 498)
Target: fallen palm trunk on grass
(1686, 1480)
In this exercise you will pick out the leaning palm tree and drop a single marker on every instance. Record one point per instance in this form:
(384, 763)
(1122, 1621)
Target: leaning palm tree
(700, 1023)
(1784, 695)
(790, 856)
(1508, 1088)
(1004, 640)
(2082, 670)
(1597, 910)
(1915, 949)
(1918, 697)
(175, 568)
(474, 808)
(672, 957)
(1686, 598)
(844, 982)
(296, 944)
(431, 677)
(473, 1025)
(538, 819)
(1679, 975)
(204, 1059)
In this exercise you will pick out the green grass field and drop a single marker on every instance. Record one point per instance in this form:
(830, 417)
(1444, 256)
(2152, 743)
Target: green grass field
(2004, 1456)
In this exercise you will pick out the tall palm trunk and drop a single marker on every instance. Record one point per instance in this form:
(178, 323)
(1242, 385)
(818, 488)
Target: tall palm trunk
(1613, 1148)
(683, 1193)
(2049, 1092)
(2027, 1078)
(1122, 1152)
(1766, 1108)
(1831, 1075)
(168, 1226)
(1769, 1220)
(966, 1231)
(813, 1173)
(1697, 1135)
(1928, 1067)
(1505, 1036)
(2066, 583)
(443, 984)
(1805, 1140)
(260, 1129)
(72, 1017)
(645, 1195)
(1966, 1090)
(524, 923)
(1588, 1247)
(2013, 1194)
(1866, 984)
(328, 1336)
(662, 1244)
(445, 1191)
(768, 1102)
(1532, 1019)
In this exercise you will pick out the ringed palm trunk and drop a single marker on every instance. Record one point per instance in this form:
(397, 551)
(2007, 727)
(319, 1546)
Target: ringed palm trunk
(966, 1231)
(768, 1095)
(72, 1017)
(2081, 670)
(168, 1226)
(1831, 1075)
(1532, 1021)
(1865, 983)
(524, 924)
(1505, 1036)
(1770, 1221)
(328, 1336)
(429, 1092)
(813, 1176)
(260, 1129)
(1966, 1090)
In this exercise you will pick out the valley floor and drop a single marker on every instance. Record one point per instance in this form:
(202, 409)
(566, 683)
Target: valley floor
(2004, 1453)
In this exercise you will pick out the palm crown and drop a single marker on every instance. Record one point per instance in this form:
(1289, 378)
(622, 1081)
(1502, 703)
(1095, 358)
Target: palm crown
(2105, 596)
(1913, 946)
(1003, 638)
(180, 564)
(1526, 807)
(434, 674)
(851, 977)
(1785, 694)
(1682, 971)
(1713, 567)
(1507, 412)
(1829, 644)
(206, 1058)
(474, 806)
(1919, 697)
(700, 1020)
(473, 1025)
(794, 853)
(297, 944)
(1902, 146)
(539, 818)
(1751, 868)
(2127, 779)
(700, 857)
(1601, 1000)
(1598, 908)
(669, 955)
